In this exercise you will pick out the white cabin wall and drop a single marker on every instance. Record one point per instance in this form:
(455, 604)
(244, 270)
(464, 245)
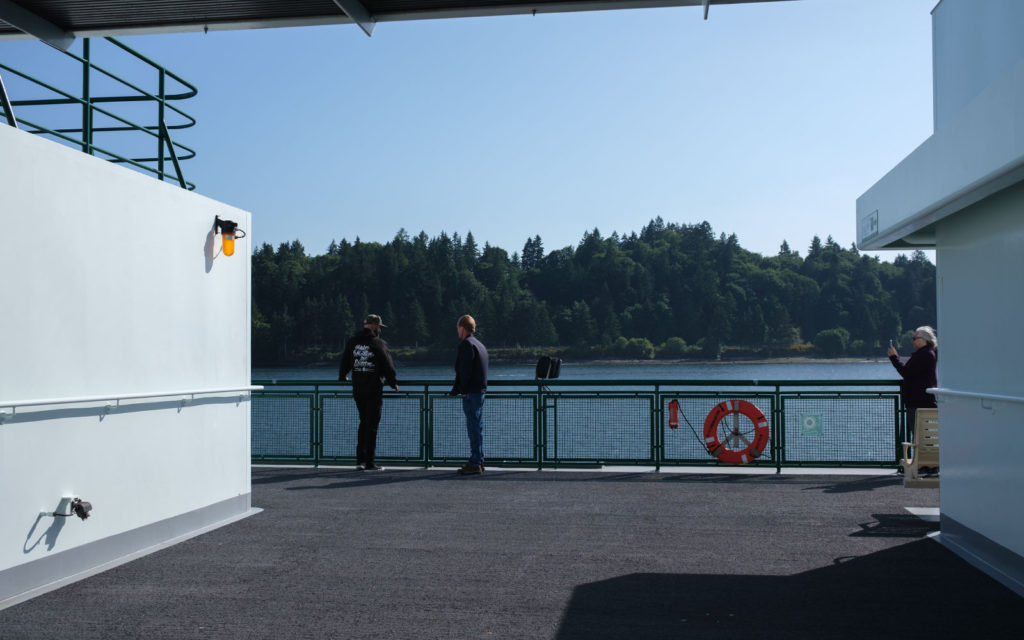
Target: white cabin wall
(112, 286)
(973, 44)
(962, 191)
(980, 266)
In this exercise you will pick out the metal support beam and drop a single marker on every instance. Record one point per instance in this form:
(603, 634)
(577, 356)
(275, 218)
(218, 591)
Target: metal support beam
(358, 14)
(5, 102)
(165, 137)
(707, 5)
(35, 25)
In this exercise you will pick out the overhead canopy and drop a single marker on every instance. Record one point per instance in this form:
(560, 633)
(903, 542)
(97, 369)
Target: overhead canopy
(59, 22)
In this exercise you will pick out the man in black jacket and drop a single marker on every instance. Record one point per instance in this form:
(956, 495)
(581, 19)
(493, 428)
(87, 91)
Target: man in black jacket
(367, 357)
(471, 384)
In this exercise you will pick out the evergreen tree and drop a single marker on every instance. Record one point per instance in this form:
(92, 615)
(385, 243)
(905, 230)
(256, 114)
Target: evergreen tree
(606, 295)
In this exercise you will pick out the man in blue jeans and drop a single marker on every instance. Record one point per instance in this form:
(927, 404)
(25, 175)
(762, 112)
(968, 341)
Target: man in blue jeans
(471, 384)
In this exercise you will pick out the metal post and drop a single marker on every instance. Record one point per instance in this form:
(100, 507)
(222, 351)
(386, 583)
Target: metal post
(6, 104)
(898, 427)
(86, 98)
(658, 429)
(163, 132)
(317, 427)
(780, 419)
(427, 428)
(539, 431)
(165, 137)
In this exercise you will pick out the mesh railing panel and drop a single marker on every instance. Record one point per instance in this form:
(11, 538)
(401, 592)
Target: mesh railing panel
(682, 446)
(596, 426)
(508, 425)
(398, 436)
(281, 425)
(829, 429)
(586, 428)
(341, 422)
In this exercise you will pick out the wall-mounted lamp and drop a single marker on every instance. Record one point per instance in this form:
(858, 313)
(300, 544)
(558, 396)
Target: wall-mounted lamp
(229, 232)
(78, 508)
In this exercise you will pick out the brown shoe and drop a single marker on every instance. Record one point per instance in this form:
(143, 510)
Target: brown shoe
(471, 469)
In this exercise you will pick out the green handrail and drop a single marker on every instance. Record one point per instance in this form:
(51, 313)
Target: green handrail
(85, 135)
(566, 423)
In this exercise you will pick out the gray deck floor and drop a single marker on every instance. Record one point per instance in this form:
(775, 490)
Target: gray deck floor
(419, 553)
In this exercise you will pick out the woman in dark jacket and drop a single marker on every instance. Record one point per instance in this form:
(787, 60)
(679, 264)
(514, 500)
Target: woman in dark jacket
(918, 374)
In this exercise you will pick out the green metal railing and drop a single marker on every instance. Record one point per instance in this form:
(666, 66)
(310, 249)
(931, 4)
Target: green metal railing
(582, 423)
(97, 115)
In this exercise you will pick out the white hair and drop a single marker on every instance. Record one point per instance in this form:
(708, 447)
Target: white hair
(928, 334)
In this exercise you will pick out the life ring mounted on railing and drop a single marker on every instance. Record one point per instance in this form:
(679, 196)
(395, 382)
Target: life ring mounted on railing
(736, 447)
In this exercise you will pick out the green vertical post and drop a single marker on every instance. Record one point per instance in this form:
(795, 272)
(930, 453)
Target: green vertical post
(539, 418)
(316, 426)
(898, 428)
(161, 128)
(778, 426)
(657, 428)
(427, 428)
(86, 99)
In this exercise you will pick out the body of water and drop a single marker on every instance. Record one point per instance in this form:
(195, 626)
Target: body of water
(880, 369)
(817, 426)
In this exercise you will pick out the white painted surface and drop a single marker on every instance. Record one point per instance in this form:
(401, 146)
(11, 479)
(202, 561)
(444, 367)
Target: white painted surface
(978, 144)
(973, 44)
(928, 514)
(978, 152)
(111, 286)
(963, 192)
(981, 262)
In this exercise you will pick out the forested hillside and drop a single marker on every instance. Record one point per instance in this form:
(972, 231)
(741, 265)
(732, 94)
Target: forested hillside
(673, 290)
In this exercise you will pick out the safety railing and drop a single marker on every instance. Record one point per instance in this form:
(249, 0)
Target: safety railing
(111, 402)
(92, 115)
(586, 423)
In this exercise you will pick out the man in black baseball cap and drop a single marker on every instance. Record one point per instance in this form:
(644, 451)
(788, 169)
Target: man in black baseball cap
(367, 357)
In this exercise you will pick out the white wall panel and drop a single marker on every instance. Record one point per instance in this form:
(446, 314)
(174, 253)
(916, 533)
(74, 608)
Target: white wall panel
(973, 44)
(981, 299)
(111, 286)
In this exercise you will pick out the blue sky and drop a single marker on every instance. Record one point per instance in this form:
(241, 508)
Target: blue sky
(767, 120)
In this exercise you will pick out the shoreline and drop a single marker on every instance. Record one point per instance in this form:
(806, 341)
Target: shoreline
(603, 362)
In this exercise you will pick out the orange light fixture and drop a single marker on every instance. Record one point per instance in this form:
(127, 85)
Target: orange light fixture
(229, 232)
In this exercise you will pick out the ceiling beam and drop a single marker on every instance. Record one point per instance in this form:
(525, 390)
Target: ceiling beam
(358, 14)
(35, 25)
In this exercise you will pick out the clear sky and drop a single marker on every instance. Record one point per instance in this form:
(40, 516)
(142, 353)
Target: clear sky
(767, 120)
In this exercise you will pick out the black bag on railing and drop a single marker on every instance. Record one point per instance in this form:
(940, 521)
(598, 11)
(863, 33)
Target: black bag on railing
(548, 367)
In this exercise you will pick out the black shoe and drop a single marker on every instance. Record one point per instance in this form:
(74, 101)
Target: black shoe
(471, 470)
(370, 466)
(360, 466)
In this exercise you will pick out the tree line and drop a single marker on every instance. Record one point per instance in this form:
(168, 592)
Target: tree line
(672, 291)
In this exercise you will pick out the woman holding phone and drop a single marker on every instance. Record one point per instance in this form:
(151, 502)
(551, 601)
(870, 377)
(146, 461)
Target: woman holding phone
(918, 374)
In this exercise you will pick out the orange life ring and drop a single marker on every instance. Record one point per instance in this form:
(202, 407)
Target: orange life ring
(728, 451)
(673, 414)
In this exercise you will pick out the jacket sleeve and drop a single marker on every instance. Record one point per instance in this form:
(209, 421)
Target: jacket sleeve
(917, 365)
(346, 361)
(896, 362)
(385, 365)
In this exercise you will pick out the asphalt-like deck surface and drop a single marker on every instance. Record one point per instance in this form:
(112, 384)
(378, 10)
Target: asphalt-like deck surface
(418, 553)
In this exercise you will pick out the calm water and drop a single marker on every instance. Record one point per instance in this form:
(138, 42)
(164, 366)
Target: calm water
(820, 370)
